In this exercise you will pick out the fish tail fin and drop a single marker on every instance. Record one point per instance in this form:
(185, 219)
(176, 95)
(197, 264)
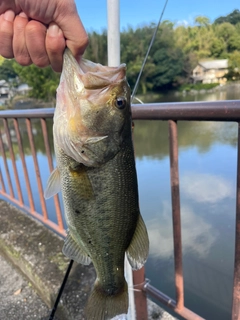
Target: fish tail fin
(103, 306)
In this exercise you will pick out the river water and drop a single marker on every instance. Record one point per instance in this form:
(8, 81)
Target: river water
(207, 163)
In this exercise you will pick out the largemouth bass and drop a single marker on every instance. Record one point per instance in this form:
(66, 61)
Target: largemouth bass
(97, 176)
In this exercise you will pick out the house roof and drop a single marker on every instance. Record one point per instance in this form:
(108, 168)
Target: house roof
(3, 83)
(214, 64)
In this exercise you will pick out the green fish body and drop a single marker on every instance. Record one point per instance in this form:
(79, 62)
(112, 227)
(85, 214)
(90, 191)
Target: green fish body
(97, 176)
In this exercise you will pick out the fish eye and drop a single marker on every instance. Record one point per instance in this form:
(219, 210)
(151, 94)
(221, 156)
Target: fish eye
(120, 102)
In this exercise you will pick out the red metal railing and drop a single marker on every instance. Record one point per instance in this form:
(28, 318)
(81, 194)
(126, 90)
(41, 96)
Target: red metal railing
(173, 112)
(5, 116)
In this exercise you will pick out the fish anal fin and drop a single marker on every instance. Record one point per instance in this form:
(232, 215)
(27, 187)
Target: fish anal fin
(103, 306)
(137, 252)
(75, 251)
(53, 184)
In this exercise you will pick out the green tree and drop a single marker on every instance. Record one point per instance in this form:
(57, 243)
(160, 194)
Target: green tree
(169, 65)
(234, 66)
(217, 47)
(189, 63)
(196, 39)
(202, 21)
(7, 70)
(134, 44)
(42, 81)
(225, 31)
(97, 48)
(233, 18)
(234, 42)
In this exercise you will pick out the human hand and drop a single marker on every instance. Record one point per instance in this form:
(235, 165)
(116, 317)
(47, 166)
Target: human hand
(38, 31)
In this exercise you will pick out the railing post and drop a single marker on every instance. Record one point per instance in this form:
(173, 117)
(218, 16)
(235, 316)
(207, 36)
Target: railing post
(176, 217)
(50, 165)
(236, 281)
(3, 154)
(14, 166)
(25, 171)
(36, 169)
(140, 296)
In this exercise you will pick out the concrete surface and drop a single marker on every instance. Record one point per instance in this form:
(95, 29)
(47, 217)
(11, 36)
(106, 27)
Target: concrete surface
(19, 300)
(32, 268)
(37, 253)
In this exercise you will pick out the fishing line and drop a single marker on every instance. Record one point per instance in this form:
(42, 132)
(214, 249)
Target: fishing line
(147, 54)
(51, 317)
(142, 284)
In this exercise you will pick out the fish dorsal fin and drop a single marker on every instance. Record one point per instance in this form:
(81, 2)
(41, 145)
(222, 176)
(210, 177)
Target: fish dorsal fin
(53, 184)
(75, 251)
(137, 252)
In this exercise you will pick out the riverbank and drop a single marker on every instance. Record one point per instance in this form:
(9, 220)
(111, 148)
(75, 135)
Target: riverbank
(24, 102)
(35, 253)
(184, 95)
(198, 90)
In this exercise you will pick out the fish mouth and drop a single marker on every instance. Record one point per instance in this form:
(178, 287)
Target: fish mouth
(92, 75)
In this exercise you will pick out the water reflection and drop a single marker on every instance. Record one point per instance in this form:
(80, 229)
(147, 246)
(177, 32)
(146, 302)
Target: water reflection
(151, 137)
(206, 187)
(198, 235)
(207, 163)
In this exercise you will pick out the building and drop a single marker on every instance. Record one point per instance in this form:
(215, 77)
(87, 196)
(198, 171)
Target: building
(23, 89)
(4, 89)
(210, 71)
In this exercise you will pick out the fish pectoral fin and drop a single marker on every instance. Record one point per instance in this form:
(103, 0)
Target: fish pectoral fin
(53, 184)
(137, 252)
(75, 251)
(92, 140)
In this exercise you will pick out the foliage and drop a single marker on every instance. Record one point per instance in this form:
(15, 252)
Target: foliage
(233, 18)
(42, 81)
(7, 70)
(97, 48)
(234, 66)
(202, 21)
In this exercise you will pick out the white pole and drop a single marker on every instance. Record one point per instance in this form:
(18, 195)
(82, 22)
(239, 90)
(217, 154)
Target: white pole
(113, 33)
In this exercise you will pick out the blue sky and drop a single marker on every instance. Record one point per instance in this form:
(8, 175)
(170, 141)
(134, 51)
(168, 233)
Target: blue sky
(138, 12)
